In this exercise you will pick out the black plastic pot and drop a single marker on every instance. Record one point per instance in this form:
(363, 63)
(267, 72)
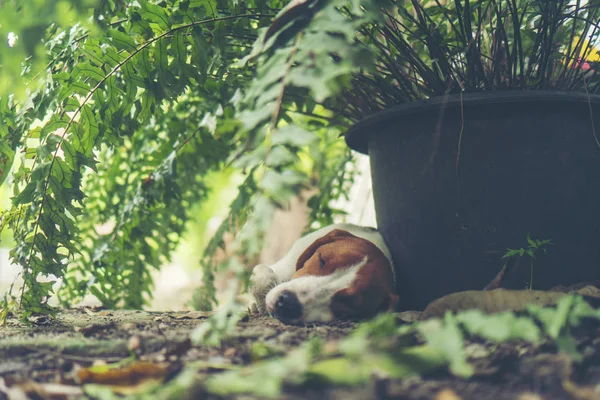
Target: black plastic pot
(528, 164)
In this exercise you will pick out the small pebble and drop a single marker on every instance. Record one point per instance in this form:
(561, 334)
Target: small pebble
(134, 343)
(447, 394)
(229, 353)
(530, 396)
(128, 326)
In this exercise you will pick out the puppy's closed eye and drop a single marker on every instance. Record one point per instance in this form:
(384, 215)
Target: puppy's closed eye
(322, 261)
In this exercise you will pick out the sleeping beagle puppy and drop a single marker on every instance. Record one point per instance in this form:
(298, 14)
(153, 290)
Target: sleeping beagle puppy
(341, 271)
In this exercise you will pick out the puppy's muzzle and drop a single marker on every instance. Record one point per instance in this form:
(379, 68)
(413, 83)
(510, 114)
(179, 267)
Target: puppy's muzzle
(287, 307)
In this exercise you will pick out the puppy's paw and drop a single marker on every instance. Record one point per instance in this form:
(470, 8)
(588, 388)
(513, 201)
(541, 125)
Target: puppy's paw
(263, 279)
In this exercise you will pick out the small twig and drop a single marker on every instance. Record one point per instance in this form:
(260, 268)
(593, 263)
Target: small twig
(458, 151)
(499, 279)
(73, 357)
(589, 103)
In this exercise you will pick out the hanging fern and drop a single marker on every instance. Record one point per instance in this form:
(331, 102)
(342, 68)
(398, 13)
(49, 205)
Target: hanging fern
(119, 130)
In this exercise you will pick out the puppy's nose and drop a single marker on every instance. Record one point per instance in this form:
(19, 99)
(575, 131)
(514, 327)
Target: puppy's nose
(287, 306)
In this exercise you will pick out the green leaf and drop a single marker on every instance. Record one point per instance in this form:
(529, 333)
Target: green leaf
(500, 327)
(210, 6)
(265, 378)
(349, 372)
(554, 321)
(531, 253)
(200, 51)
(531, 242)
(179, 49)
(26, 195)
(293, 135)
(261, 350)
(84, 71)
(281, 184)
(156, 14)
(7, 156)
(56, 122)
(134, 77)
(122, 40)
(279, 156)
(446, 338)
(160, 56)
(511, 253)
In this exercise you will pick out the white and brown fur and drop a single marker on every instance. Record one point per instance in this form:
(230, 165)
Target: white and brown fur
(339, 271)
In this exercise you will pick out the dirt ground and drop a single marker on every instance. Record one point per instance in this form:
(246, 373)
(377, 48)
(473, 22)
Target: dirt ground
(41, 360)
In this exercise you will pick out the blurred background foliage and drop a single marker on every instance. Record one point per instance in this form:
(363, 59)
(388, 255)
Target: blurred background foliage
(23, 26)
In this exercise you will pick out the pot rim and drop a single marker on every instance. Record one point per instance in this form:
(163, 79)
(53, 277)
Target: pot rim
(358, 135)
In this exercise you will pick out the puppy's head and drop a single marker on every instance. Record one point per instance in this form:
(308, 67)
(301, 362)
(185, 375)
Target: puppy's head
(338, 276)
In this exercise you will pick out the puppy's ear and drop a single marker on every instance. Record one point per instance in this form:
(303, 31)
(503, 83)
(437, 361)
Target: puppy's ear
(332, 236)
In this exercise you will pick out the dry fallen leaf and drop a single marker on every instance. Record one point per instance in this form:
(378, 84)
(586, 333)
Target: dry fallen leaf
(576, 391)
(92, 329)
(580, 392)
(105, 313)
(492, 301)
(229, 353)
(408, 317)
(589, 290)
(331, 347)
(29, 389)
(192, 315)
(89, 311)
(123, 379)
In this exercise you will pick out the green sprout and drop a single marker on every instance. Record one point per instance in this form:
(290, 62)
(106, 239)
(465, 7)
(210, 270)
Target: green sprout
(529, 251)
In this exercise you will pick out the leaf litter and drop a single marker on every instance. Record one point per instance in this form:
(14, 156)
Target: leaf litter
(551, 352)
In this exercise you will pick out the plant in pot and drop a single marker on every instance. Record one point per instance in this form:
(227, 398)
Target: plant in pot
(482, 123)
